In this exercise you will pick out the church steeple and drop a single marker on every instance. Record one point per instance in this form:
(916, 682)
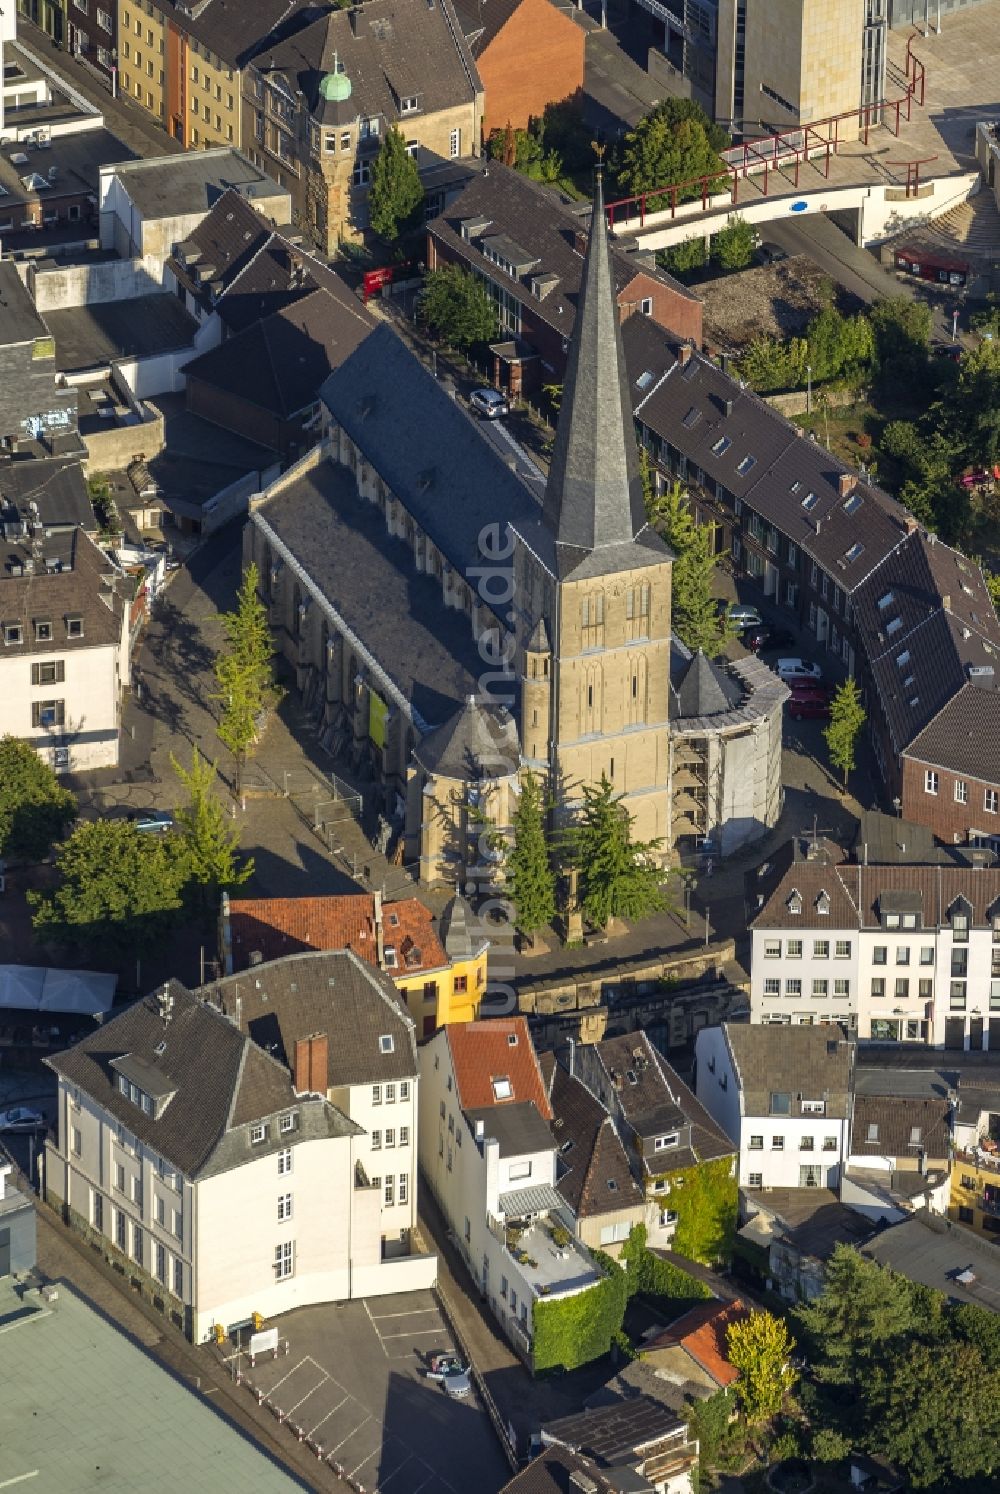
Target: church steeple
(593, 496)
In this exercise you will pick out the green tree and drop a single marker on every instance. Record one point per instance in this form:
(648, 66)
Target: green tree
(211, 840)
(992, 579)
(695, 616)
(396, 194)
(709, 1421)
(244, 672)
(902, 331)
(769, 365)
(120, 890)
(35, 809)
(685, 257)
(861, 1316)
(621, 877)
(733, 246)
(456, 306)
(936, 1414)
(760, 1347)
(676, 111)
(979, 1327)
(530, 878)
(660, 154)
(847, 717)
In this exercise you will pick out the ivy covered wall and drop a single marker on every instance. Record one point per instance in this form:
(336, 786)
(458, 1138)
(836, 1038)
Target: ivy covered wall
(706, 1199)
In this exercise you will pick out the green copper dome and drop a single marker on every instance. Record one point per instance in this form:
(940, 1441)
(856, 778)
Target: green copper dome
(336, 87)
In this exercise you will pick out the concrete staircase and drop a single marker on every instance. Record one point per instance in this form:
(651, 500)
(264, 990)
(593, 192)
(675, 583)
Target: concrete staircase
(970, 230)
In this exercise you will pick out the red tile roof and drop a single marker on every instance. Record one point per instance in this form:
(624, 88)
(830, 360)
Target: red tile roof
(702, 1333)
(277, 926)
(500, 1048)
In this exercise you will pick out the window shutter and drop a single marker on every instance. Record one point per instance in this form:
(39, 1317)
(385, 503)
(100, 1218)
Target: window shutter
(35, 676)
(60, 671)
(36, 717)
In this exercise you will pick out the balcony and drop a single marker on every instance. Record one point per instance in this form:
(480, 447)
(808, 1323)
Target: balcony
(978, 1157)
(545, 1255)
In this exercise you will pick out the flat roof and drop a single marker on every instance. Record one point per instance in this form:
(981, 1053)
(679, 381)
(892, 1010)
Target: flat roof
(75, 161)
(939, 1254)
(89, 336)
(89, 1410)
(19, 321)
(172, 186)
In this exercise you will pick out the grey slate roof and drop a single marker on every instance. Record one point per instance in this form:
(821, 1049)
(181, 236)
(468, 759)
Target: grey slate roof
(593, 496)
(389, 49)
(478, 741)
(279, 364)
(427, 450)
(613, 1434)
(425, 649)
(483, 20)
(518, 1127)
(856, 893)
(556, 1470)
(454, 930)
(659, 1099)
(935, 1252)
(227, 238)
(235, 31)
(19, 320)
(324, 991)
(56, 485)
(898, 1118)
(965, 735)
(591, 1154)
(77, 590)
(806, 1063)
(221, 1081)
(706, 689)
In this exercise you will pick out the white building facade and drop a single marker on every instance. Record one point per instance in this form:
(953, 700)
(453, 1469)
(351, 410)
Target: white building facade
(900, 954)
(783, 1099)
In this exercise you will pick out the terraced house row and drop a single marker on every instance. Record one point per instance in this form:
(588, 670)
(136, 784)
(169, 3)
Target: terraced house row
(877, 595)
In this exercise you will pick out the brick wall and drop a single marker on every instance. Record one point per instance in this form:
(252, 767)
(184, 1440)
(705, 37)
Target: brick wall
(949, 819)
(678, 313)
(536, 59)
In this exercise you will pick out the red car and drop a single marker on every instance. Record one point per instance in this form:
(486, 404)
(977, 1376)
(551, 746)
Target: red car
(808, 705)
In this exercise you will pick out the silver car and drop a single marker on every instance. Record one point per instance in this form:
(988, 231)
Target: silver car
(489, 402)
(20, 1118)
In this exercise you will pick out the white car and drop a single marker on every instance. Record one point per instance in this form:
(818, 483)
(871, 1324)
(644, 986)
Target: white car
(489, 402)
(742, 617)
(20, 1118)
(798, 669)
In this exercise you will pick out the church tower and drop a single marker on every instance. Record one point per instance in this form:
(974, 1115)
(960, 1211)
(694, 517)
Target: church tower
(592, 582)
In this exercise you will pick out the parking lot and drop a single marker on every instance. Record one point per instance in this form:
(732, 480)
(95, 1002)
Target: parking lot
(352, 1385)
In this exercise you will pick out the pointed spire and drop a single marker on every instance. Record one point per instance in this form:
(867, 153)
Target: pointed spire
(593, 496)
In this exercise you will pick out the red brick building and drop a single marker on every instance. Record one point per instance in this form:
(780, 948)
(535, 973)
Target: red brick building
(529, 55)
(527, 244)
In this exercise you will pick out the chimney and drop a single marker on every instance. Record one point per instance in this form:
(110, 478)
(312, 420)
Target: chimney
(819, 525)
(379, 929)
(480, 1130)
(311, 1064)
(846, 483)
(684, 354)
(946, 601)
(727, 407)
(911, 524)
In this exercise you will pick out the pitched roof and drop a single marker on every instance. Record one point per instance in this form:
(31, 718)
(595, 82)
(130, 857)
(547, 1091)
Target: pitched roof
(82, 582)
(706, 688)
(478, 741)
(278, 926)
(857, 894)
(556, 1470)
(335, 993)
(964, 735)
(702, 1333)
(234, 31)
(613, 1434)
(591, 1154)
(806, 1063)
(217, 1079)
(483, 20)
(905, 1126)
(389, 50)
(483, 1052)
(593, 495)
(460, 943)
(654, 1098)
(227, 238)
(279, 364)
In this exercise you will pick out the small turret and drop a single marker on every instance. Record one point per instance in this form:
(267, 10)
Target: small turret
(536, 695)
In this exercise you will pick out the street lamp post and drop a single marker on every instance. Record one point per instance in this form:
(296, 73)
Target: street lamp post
(809, 389)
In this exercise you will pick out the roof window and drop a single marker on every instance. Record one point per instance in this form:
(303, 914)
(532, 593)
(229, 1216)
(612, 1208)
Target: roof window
(512, 1039)
(691, 418)
(385, 1043)
(855, 552)
(853, 503)
(886, 601)
(903, 659)
(723, 444)
(503, 1089)
(893, 626)
(747, 463)
(810, 501)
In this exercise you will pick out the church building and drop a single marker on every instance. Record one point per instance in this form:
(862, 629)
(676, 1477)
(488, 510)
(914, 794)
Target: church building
(453, 624)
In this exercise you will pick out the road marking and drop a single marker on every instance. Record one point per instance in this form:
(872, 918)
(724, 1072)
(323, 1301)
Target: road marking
(408, 1459)
(21, 1478)
(329, 1414)
(307, 1360)
(308, 1394)
(372, 1454)
(349, 1436)
(415, 1312)
(378, 1335)
(407, 1333)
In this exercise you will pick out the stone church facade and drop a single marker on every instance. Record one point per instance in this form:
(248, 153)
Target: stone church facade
(450, 626)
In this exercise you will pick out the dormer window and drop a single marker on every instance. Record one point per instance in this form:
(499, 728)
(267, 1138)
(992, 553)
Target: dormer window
(823, 904)
(43, 630)
(794, 904)
(663, 1143)
(258, 1133)
(512, 1040)
(409, 105)
(959, 917)
(390, 958)
(74, 627)
(385, 1043)
(286, 1123)
(13, 633)
(503, 1089)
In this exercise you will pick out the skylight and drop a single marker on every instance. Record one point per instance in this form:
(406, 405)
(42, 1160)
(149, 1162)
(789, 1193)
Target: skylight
(795, 486)
(385, 1043)
(886, 601)
(644, 380)
(744, 467)
(691, 418)
(809, 501)
(903, 659)
(853, 503)
(893, 626)
(855, 552)
(502, 1089)
(723, 444)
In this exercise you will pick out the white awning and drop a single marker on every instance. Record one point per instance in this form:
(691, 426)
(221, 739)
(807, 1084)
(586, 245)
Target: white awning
(540, 1200)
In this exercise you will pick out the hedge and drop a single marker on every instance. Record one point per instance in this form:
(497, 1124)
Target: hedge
(570, 1331)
